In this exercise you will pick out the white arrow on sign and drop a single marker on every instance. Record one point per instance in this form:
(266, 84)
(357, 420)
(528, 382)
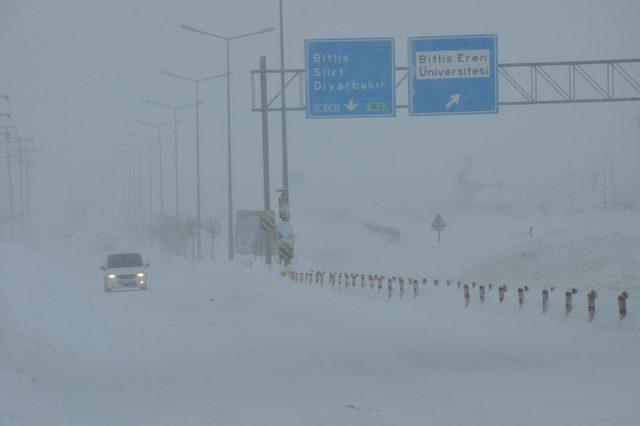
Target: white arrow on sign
(455, 100)
(351, 106)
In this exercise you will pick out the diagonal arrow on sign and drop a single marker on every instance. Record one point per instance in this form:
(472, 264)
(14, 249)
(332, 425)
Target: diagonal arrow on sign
(454, 100)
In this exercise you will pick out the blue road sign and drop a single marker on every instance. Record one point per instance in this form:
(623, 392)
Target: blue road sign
(350, 78)
(453, 75)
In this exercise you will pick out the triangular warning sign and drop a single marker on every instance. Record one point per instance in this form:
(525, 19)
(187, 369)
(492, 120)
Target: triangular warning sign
(438, 224)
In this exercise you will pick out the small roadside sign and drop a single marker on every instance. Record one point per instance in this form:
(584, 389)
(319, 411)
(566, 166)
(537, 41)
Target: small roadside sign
(438, 225)
(283, 207)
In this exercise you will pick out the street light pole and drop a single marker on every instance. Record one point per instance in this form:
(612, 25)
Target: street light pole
(283, 111)
(150, 160)
(139, 208)
(159, 127)
(229, 167)
(175, 146)
(197, 104)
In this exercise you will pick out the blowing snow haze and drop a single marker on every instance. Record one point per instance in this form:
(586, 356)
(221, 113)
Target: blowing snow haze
(430, 145)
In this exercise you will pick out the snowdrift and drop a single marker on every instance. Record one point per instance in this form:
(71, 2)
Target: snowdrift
(595, 261)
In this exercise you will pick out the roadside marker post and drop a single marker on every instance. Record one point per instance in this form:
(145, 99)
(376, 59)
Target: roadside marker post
(466, 295)
(622, 305)
(545, 301)
(591, 303)
(520, 297)
(568, 302)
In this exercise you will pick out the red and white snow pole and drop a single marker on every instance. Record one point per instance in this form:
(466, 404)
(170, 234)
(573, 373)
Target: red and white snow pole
(591, 303)
(568, 302)
(520, 297)
(622, 304)
(466, 295)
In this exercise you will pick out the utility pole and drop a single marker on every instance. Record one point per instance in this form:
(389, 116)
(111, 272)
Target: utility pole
(265, 152)
(283, 112)
(571, 203)
(21, 187)
(28, 165)
(638, 121)
(612, 179)
(7, 145)
(604, 182)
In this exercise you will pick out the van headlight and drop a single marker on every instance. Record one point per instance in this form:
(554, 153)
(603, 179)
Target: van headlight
(111, 276)
(140, 274)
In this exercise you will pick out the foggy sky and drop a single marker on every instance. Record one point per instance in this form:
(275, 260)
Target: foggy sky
(79, 71)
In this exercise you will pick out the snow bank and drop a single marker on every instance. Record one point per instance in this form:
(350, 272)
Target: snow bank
(595, 261)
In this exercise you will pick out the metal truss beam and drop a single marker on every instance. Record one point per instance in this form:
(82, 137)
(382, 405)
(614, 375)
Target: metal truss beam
(527, 83)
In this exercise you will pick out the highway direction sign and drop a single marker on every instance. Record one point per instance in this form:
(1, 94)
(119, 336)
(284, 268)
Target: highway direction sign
(350, 78)
(453, 75)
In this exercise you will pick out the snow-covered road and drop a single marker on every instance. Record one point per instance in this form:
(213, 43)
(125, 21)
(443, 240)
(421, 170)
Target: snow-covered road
(235, 345)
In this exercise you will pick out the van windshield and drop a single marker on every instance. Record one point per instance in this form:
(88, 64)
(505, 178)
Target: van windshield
(128, 260)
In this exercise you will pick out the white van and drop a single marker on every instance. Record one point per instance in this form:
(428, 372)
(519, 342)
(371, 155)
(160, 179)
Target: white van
(125, 270)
